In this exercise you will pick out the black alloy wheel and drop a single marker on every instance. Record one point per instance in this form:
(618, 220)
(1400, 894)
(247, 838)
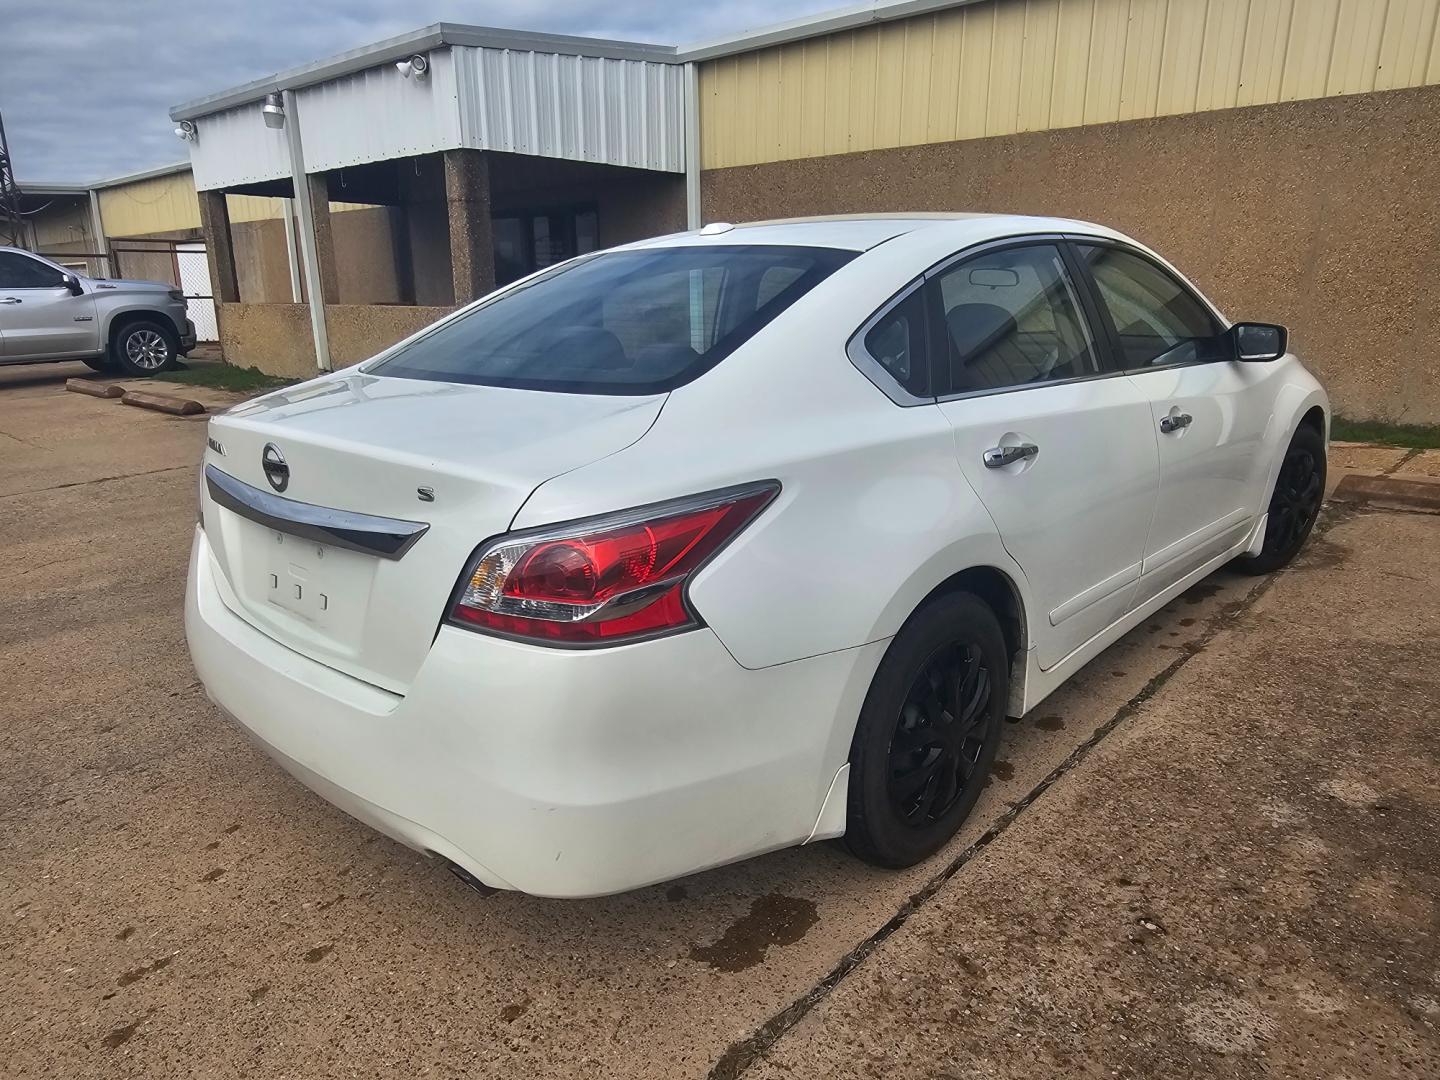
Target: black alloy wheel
(928, 731)
(1294, 505)
(940, 734)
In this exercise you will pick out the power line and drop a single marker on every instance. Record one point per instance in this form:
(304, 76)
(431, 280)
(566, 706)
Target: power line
(12, 228)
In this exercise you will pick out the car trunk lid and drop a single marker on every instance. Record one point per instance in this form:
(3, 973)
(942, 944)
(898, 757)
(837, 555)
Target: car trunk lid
(378, 491)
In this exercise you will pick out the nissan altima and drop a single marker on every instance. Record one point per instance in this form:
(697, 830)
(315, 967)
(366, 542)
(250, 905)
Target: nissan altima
(736, 539)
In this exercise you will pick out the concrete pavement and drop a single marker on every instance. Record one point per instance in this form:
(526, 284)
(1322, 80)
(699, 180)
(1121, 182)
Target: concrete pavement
(171, 904)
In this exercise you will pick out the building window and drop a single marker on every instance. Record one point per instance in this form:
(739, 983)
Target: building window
(526, 241)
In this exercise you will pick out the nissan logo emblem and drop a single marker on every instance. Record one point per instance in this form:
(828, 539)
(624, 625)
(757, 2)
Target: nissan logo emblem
(276, 471)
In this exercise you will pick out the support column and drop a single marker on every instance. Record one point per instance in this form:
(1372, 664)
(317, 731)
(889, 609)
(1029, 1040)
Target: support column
(692, 146)
(472, 245)
(292, 255)
(324, 239)
(305, 220)
(219, 248)
(102, 245)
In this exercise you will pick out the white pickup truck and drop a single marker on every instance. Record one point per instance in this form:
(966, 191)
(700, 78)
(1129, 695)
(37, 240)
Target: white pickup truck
(48, 313)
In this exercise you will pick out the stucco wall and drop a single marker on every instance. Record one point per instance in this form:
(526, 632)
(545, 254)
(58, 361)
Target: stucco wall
(359, 331)
(1322, 214)
(276, 338)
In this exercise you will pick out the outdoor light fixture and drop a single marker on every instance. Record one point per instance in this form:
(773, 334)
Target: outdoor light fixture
(274, 111)
(186, 130)
(415, 65)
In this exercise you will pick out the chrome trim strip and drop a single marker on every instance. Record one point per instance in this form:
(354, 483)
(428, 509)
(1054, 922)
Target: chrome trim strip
(388, 538)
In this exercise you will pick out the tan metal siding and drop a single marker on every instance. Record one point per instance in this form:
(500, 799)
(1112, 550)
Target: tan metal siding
(1005, 66)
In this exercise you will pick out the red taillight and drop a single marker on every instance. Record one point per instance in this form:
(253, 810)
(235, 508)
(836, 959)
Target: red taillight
(607, 579)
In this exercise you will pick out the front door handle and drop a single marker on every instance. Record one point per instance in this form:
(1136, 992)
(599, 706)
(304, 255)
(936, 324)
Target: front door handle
(1175, 422)
(10, 300)
(997, 457)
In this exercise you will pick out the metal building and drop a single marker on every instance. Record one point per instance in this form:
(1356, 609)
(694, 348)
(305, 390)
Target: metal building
(1282, 150)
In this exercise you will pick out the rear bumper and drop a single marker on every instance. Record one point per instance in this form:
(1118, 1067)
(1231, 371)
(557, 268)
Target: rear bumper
(558, 773)
(187, 336)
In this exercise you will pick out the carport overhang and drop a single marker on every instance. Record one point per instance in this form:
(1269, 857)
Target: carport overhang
(616, 105)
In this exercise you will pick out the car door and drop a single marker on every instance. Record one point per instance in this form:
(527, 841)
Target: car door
(1207, 415)
(1058, 449)
(39, 316)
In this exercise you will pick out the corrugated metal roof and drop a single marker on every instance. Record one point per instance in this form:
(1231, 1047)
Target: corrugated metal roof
(235, 147)
(584, 108)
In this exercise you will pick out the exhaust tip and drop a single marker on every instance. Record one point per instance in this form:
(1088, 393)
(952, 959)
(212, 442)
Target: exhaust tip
(468, 878)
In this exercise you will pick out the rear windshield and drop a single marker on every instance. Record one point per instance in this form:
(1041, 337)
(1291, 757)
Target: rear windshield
(621, 322)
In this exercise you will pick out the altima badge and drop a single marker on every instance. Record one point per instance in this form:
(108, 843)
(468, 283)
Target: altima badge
(272, 461)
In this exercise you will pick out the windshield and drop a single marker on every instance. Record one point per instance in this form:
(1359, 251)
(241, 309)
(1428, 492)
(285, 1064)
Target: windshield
(622, 322)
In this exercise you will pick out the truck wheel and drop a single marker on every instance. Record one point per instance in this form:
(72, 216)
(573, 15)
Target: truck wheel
(144, 347)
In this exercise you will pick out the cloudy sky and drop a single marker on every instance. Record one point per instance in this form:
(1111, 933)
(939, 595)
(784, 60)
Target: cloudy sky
(86, 85)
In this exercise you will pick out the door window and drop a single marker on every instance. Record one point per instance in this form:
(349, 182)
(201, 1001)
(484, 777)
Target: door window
(1009, 319)
(22, 272)
(1157, 320)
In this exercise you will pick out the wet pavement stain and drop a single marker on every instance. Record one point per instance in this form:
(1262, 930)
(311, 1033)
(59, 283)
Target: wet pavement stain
(1187, 622)
(1324, 554)
(214, 875)
(1003, 770)
(259, 991)
(122, 1035)
(315, 955)
(139, 973)
(676, 893)
(232, 828)
(125, 933)
(512, 1012)
(1051, 722)
(1198, 594)
(772, 920)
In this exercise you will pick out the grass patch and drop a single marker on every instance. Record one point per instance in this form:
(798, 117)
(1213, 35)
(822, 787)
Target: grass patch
(223, 376)
(1411, 436)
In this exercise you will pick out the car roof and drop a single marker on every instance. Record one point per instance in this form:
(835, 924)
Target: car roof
(861, 232)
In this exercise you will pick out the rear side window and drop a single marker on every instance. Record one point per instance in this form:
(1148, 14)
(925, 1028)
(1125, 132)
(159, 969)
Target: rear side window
(1010, 319)
(622, 322)
(1157, 320)
(897, 342)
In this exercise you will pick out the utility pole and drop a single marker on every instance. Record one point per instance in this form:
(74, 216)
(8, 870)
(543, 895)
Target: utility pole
(12, 227)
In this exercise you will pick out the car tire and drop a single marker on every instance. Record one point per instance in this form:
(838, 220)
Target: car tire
(1294, 504)
(102, 364)
(915, 769)
(144, 347)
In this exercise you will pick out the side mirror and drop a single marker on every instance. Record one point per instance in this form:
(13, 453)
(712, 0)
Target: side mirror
(72, 283)
(1258, 343)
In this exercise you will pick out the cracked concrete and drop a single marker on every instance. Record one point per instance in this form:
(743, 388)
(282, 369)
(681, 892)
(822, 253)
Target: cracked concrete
(173, 905)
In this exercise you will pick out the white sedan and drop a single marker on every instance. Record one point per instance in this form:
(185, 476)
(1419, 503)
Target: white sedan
(733, 540)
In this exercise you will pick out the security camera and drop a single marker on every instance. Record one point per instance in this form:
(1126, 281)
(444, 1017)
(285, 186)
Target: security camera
(415, 65)
(185, 130)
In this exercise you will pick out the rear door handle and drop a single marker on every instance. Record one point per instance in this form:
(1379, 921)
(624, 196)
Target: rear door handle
(10, 300)
(997, 457)
(1175, 422)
